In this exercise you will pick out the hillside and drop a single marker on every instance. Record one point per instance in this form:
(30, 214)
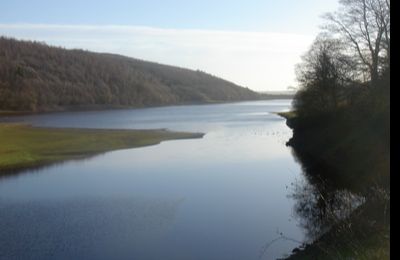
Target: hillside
(38, 77)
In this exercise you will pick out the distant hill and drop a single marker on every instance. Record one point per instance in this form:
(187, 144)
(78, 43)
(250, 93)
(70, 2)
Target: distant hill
(38, 77)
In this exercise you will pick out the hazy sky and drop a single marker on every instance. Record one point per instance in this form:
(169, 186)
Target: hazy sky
(254, 43)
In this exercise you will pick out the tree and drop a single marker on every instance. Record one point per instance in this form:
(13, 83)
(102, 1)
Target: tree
(324, 73)
(365, 24)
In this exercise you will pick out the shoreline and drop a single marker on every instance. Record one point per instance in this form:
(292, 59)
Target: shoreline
(25, 147)
(85, 108)
(366, 231)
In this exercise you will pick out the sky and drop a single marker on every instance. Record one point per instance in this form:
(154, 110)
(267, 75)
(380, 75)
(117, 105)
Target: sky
(253, 43)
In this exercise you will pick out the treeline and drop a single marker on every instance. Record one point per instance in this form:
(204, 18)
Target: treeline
(341, 134)
(38, 77)
(343, 106)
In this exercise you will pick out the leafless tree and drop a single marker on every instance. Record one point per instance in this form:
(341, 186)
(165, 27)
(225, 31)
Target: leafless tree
(323, 74)
(365, 24)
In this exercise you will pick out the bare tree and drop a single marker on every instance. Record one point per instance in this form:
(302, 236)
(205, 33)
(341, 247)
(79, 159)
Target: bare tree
(365, 24)
(323, 74)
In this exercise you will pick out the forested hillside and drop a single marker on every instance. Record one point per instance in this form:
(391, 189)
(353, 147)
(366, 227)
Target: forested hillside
(38, 77)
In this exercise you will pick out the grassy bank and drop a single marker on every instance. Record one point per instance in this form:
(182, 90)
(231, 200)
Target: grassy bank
(23, 146)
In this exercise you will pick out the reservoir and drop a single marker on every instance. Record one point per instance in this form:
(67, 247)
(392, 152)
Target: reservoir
(224, 196)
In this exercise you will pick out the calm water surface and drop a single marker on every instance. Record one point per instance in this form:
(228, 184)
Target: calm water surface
(224, 196)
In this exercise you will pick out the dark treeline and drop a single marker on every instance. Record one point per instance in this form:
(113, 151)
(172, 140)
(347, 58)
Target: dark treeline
(37, 77)
(341, 134)
(343, 106)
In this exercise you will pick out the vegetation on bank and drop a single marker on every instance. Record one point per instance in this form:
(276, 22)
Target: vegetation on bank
(341, 134)
(363, 235)
(348, 151)
(346, 212)
(24, 146)
(38, 77)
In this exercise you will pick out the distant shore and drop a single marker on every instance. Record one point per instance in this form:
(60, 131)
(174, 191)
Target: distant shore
(81, 108)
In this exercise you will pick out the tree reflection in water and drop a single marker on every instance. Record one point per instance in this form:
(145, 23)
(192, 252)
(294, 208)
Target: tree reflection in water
(320, 203)
(319, 207)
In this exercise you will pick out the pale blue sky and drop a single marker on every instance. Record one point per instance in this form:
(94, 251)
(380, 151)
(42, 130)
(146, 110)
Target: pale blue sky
(254, 43)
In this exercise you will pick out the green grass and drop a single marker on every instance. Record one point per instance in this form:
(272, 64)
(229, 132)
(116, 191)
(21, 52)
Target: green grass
(24, 146)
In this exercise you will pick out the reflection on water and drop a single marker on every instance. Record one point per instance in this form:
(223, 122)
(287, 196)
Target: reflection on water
(319, 202)
(14, 173)
(318, 208)
(219, 197)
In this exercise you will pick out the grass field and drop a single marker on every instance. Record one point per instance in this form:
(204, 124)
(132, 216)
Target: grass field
(24, 146)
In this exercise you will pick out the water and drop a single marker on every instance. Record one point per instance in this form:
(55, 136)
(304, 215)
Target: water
(224, 196)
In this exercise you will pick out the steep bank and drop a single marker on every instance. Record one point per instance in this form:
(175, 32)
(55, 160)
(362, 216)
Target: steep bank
(38, 77)
(345, 152)
(355, 149)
